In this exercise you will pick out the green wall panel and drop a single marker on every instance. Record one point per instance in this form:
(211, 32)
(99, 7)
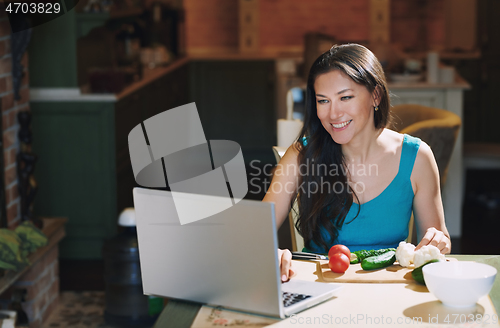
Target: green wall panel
(52, 53)
(76, 171)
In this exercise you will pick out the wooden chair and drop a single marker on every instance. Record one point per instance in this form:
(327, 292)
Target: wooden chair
(438, 128)
(297, 240)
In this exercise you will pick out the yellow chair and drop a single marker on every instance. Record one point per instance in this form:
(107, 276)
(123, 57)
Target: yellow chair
(437, 127)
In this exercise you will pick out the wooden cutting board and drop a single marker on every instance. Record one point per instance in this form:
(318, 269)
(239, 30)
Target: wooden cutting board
(392, 274)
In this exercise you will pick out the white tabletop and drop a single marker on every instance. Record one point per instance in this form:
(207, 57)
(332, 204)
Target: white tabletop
(385, 305)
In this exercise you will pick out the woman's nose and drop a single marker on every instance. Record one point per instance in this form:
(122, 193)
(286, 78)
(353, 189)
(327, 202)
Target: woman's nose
(335, 112)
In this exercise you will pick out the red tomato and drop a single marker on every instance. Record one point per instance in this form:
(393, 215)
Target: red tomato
(339, 249)
(339, 262)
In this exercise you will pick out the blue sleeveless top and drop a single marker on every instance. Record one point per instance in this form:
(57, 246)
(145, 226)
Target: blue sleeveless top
(383, 221)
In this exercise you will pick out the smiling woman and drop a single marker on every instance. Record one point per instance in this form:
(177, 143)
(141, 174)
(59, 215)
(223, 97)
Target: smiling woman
(347, 111)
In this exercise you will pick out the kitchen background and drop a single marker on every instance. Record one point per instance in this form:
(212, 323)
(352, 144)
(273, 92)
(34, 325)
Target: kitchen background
(94, 73)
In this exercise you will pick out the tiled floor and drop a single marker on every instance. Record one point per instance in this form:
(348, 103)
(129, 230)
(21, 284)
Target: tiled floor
(78, 309)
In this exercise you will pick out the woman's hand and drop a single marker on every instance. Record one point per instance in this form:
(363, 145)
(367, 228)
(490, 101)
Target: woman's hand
(285, 260)
(436, 238)
(427, 203)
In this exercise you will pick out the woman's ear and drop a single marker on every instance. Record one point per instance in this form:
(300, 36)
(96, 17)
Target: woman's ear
(377, 98)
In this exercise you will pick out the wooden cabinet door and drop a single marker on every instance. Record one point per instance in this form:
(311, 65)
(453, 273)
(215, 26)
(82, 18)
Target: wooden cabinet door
(75, 172)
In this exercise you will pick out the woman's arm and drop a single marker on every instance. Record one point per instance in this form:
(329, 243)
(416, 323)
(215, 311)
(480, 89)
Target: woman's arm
(427, 204)
(283, 187)
(282, 190)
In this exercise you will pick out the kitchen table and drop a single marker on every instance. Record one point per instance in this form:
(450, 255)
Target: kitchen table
(370, 304)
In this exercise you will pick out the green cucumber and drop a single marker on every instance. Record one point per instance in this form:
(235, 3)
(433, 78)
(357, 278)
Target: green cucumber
(417, 273)
(379, 261)
(363, 254)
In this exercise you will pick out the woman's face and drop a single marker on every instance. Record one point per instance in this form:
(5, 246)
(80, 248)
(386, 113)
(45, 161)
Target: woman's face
(344, 107)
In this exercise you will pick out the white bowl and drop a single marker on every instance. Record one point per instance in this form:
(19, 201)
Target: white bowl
(459, 284)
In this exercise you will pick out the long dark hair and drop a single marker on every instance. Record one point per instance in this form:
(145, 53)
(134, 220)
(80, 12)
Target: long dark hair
(329, 209)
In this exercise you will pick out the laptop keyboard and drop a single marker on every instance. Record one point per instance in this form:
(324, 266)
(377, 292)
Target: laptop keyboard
(292, 298)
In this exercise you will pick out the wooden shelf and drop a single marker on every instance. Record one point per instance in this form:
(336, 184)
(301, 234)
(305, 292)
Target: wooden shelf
(85, 22)
(125, 13)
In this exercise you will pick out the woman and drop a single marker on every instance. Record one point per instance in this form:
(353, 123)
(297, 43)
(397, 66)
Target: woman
(345, 156)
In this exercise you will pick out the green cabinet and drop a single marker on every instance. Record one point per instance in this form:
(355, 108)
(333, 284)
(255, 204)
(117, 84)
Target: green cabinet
(74, 142)
(52, 53)
(84, 171)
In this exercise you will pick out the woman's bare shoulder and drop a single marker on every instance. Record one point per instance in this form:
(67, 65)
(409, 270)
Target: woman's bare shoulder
(425, 171)
(291, 155)
(392, 141)
(425, 160)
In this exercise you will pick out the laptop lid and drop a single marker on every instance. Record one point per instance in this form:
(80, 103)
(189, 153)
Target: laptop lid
(227, 259)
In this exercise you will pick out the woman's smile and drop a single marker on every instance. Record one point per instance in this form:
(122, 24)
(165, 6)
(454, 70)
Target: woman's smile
(341, 126)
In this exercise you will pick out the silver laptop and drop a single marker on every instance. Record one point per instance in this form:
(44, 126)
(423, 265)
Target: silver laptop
(228, 259)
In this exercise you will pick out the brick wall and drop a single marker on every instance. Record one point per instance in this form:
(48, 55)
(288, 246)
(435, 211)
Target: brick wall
(405, 23)
(10, 108)
(211, 24)
(42, 285)
(283, 23)
(42, 280)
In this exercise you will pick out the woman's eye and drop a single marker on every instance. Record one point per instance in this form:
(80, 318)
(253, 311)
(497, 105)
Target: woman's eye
(322, 101)
(345, 98)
